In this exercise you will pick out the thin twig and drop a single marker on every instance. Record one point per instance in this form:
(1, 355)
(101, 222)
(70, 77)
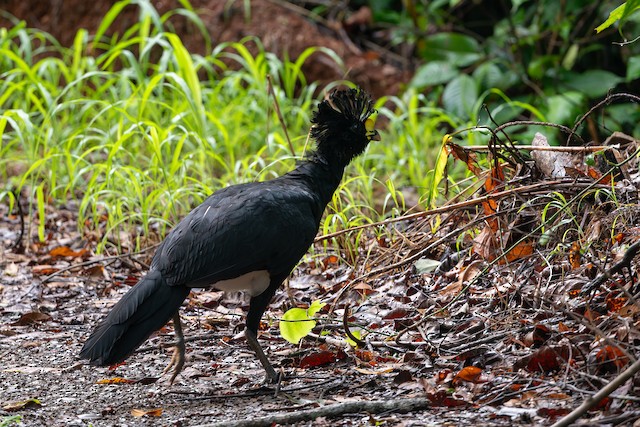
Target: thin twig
(546, 186)
(279, 113)
(591, 149)
(96, 261)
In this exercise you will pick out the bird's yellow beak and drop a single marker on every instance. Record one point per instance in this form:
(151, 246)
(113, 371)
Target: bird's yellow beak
(372, 134)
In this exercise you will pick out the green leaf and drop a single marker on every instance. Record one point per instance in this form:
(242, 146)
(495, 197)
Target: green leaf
(351, 342)
(564, 108)
(438, 172)
(620, 13)
(456, 49)
(593, 83)
(569, 59)
(433, 73)
(41, 211)
(539, 66)
(633, 68)
(489, 75)
(460, 95)
(296, 323)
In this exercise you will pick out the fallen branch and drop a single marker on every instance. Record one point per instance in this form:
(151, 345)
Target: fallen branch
(331, 411)
(596, 398)
(625, 262)
(524, 190)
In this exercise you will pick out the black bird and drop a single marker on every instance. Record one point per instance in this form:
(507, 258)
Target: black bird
(243, 237)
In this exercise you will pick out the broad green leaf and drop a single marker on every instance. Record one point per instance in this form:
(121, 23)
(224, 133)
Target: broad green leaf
(489, 76)
(433, 73)
(593, 83)
(633, 68)
(460, 95)
(564, 108)
(456, 49)
(538, 66)
(296, 323)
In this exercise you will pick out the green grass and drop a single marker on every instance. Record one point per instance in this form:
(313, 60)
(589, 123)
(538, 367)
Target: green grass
(138, 131)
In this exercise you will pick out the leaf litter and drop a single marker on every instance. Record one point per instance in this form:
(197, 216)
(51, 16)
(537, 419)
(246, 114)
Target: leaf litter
(515, 304)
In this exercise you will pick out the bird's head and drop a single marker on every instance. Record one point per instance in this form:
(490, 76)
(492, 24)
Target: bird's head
(342, 126)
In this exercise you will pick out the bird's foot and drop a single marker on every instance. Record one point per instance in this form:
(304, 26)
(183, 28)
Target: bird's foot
(177, 358)
(176, 363)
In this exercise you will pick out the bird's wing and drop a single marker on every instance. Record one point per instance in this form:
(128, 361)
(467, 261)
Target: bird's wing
(237, 230)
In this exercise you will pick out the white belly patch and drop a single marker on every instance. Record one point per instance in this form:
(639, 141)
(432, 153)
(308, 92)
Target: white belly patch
(254, 283)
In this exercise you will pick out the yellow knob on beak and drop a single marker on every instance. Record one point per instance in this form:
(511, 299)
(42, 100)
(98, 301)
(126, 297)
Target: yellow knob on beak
(372, 134)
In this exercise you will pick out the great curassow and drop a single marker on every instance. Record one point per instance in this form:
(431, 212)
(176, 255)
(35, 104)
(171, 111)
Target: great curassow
(243, 237)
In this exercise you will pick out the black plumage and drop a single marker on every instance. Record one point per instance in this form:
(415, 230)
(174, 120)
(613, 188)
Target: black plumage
(247, 236)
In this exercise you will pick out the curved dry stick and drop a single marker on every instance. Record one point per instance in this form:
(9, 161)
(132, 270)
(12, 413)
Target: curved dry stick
(347, 331)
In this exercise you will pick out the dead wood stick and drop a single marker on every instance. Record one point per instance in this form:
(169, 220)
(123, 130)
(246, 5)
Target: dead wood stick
(628, 256)
(541, 186)
(372, 407)
(99, 260)
(596, 398)
(572, 149)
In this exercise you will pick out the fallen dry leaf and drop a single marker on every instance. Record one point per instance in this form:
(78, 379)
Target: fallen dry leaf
(22, 404)
(65, 251)
(155, 412)
(31, 318)
(469, 374)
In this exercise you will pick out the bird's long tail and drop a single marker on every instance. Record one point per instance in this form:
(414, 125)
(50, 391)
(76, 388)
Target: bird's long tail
(143, 310)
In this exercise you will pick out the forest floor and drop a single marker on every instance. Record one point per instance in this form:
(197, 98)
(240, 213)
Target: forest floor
(488, 311)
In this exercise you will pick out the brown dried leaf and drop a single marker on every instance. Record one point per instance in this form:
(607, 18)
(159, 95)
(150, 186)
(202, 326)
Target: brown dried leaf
(611, 359)
(43, 270)
(575, 255)
(31, 318)
(484, 244)
(65, 251)
(321, 358)
(470, 374)
(466, 156)
(546, 359)
(154, 412)
(615, 304)
(537, 337)
(521, 250)
(442, 398)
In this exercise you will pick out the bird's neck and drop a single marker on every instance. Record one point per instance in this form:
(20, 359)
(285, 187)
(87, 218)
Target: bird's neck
(321, 176)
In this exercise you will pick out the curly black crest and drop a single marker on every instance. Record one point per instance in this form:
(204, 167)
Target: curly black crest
(343, 108)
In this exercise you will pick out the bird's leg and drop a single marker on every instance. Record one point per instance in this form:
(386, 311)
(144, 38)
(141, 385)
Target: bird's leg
(177, 359)
(257, 307)
(252, 340)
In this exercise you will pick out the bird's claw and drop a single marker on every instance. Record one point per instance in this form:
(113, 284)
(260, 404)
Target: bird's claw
(177, 358)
